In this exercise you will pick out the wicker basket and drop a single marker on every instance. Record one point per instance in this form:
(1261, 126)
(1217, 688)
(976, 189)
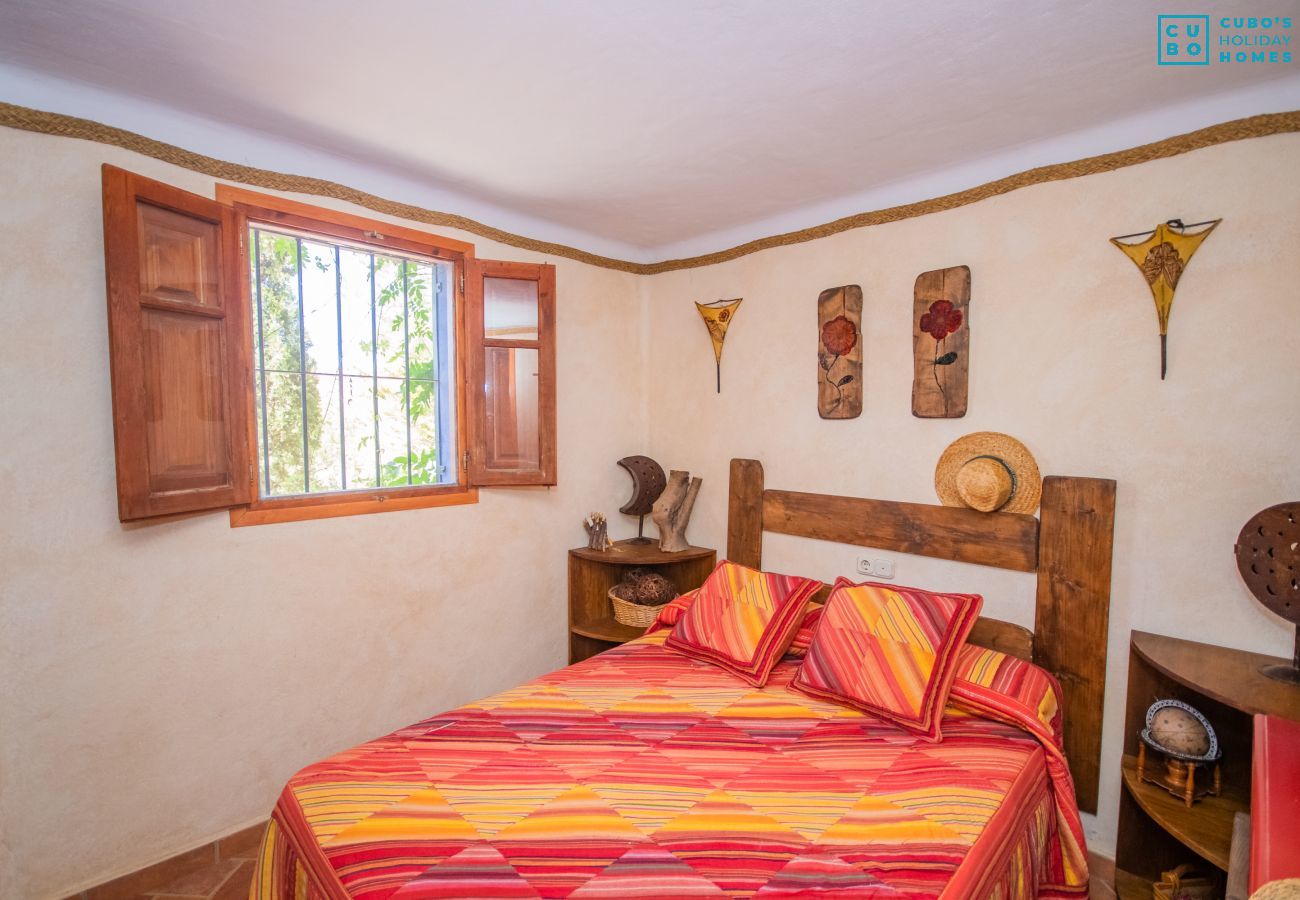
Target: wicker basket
(634, 614)
(1184, 883)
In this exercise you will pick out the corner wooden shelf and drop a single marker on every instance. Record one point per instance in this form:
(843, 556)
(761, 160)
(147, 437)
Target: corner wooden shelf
(607, 630)
(592, 573)
(1157, 832)
(1131, 887)
(1206, 828)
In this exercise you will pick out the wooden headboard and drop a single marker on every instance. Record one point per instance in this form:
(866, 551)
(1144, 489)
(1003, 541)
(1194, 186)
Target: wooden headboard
(1069, 546)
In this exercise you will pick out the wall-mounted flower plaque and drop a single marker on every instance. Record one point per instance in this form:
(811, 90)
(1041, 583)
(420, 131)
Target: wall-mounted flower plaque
(941, 343)
(839, 352)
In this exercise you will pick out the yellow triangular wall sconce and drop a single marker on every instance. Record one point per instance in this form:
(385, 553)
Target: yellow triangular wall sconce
(1162, 257)
(717, 317)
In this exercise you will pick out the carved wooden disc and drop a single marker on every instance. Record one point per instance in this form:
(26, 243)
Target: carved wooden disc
(1268, 558)
(648, 482)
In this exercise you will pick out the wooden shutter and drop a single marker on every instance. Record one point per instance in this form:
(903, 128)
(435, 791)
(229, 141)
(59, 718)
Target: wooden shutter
(177, 349)
(511, 366)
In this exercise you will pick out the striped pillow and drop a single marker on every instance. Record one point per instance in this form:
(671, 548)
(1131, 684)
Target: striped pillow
(888, 651)
(671, 614)
(803, 637)
(1033, 689)
(742, 620)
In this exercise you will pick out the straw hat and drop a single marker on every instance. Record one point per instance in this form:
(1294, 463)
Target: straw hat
(988, 471)
(1285, 889)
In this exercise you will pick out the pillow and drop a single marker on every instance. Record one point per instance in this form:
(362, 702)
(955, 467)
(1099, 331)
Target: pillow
(888, 651)
(742, 619)
(672, 613)
(1008, 682)
(803, 637)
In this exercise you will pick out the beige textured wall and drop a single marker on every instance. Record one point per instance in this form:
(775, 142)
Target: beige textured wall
(158, 685)
(1064, 355)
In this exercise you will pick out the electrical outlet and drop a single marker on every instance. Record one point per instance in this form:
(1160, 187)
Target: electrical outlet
(876, 566)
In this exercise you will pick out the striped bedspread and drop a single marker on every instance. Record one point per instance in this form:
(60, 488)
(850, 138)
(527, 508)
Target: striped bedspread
(641, 773)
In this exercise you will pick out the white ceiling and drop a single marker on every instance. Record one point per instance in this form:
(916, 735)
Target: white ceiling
(641, 126)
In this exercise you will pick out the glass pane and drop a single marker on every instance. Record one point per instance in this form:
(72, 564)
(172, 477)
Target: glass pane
(359, 433)
(358, 343)
(392, 432)
(320, 307)
(257, 412)
(284, 433)
(510, 385)
(390, 299)
(510, 309)
(449, 470)
(421, 325)
(277, 264)
(424, 432)
(357, 315)
(323, 433)
(257, 328)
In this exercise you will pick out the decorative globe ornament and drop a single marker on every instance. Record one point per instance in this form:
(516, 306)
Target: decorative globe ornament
(1180, 731)
(1187, 741)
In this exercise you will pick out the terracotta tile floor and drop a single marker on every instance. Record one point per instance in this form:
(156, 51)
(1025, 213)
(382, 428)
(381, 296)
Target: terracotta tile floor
(1101, 886)
(228, 879)
(1100, 890)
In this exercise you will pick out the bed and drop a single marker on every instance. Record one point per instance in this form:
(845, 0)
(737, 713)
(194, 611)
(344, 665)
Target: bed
(642, 772)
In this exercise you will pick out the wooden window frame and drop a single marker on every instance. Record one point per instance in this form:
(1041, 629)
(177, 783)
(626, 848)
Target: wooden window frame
(252, 207)
(543, 274)
(142, 493)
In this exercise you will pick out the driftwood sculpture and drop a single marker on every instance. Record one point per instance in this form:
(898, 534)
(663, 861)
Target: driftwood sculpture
(672, 510)
(597, 532)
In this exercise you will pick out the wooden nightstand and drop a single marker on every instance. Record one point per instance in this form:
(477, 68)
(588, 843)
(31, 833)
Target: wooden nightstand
(593, 572)
(1156, 830)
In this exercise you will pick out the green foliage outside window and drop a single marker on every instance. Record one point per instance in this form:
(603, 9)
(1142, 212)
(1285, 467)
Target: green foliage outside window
(347, 391)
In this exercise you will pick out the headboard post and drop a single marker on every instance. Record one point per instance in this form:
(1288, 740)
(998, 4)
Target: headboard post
(1076, 534)
(745, 513)
(1069, 546)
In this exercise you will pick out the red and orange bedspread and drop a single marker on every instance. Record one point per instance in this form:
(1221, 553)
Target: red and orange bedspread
(642, 773)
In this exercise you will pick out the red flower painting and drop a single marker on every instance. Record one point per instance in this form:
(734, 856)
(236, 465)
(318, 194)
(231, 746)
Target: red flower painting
(839, 337)
(939, 321)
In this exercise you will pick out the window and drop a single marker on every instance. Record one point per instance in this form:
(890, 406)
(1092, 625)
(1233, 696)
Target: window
(285, 361)
(353, 353)
(514, 439)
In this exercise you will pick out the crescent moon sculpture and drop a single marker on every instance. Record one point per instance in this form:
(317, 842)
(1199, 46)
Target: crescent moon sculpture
(648, 482)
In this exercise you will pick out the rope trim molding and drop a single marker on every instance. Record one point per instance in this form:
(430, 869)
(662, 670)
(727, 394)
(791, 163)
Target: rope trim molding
(25, 119)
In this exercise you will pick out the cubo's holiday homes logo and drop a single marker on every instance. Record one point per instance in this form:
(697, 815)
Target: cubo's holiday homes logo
(1183, 41)
(1195, 40)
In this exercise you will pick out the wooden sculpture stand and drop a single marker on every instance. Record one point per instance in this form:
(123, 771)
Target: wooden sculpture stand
(672, 510)
(1179, 778)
